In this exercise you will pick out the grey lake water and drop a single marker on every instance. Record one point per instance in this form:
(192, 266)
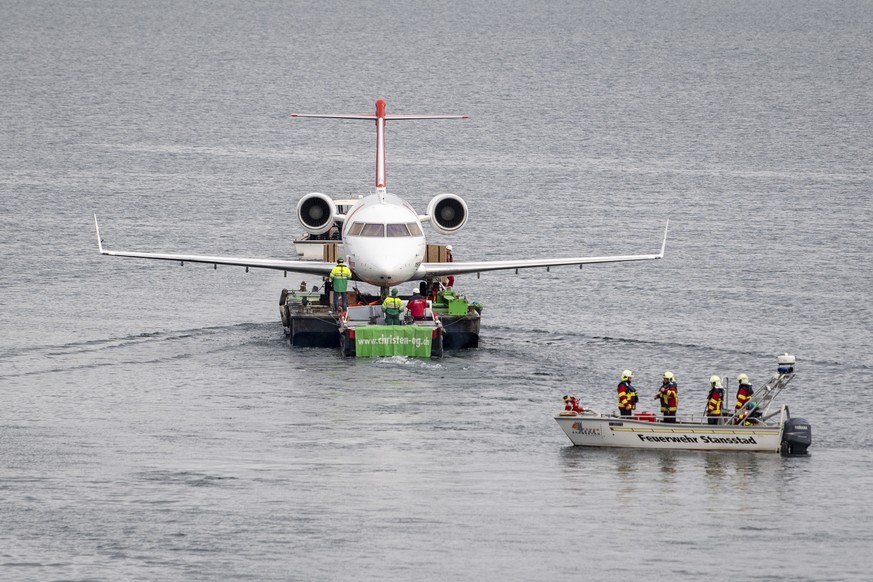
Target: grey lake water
(156, 425)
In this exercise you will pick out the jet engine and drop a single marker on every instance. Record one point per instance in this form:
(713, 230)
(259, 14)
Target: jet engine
(316, 212)
(447, 213)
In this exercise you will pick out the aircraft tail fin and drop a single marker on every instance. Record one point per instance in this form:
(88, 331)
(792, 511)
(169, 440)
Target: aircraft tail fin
(380, 118)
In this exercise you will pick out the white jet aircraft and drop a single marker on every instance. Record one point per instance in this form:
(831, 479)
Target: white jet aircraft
(381, 233)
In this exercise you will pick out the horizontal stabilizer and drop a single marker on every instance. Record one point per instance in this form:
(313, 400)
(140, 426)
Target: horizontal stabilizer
(374, 117)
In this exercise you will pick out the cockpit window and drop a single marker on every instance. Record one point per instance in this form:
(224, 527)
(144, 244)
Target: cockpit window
(397, 230)
(393, 230)
(373, 230)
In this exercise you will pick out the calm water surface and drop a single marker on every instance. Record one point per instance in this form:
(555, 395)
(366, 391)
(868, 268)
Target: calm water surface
(156, 425)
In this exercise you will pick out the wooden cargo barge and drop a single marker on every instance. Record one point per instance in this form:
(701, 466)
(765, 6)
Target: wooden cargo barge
(450, 321)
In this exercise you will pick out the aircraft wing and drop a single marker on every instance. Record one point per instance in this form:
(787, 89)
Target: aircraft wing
(309, 267)
(432, 270)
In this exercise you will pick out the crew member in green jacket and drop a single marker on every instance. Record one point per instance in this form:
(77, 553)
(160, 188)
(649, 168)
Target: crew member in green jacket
(392, 307)
(339, 282)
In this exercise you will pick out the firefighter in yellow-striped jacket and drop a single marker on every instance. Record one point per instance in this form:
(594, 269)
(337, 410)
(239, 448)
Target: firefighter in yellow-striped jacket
(627, 394)
(668, 394)
(714, 400)
(744, 392)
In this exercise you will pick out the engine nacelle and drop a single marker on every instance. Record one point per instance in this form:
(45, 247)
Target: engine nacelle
(316, 212)
(447, 213)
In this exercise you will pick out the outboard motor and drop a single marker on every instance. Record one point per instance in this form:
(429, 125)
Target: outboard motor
(796, 437)
(786, 363)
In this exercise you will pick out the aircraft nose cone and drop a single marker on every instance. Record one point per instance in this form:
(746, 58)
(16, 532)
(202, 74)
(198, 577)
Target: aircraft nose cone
(397, 270)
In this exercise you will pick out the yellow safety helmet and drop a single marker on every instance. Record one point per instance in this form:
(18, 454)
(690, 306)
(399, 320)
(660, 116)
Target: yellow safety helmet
(743, 379)
(627, 375)
(668, 375)
(566, 398)
(714, 380)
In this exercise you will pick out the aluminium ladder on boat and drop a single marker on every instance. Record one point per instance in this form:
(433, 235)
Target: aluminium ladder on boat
(759, 404)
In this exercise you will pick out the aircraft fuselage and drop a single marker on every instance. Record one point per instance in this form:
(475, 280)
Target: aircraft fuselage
(384, 241)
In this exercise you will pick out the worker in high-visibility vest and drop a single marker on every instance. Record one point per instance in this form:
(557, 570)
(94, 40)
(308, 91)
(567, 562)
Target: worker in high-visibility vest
(339, 282)
(392, 307)
(714, 400)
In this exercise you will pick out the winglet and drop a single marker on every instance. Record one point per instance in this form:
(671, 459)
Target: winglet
(99, 241)
(664, 243)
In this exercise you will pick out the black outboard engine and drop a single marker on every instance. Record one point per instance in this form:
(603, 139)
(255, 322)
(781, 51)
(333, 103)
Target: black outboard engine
(786, 363)
(796, 437)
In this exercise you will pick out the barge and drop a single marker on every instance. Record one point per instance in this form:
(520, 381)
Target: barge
(451, 321)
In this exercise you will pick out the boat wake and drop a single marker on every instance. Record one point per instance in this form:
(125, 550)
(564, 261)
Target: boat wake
(142, 348)
(545, 337)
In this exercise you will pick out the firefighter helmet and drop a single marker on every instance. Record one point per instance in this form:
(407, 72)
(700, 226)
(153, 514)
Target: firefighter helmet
(668, 375)
(743, 379)
(627, 375)
(714, 380)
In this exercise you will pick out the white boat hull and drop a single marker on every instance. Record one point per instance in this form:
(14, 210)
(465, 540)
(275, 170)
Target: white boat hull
(591, 429)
